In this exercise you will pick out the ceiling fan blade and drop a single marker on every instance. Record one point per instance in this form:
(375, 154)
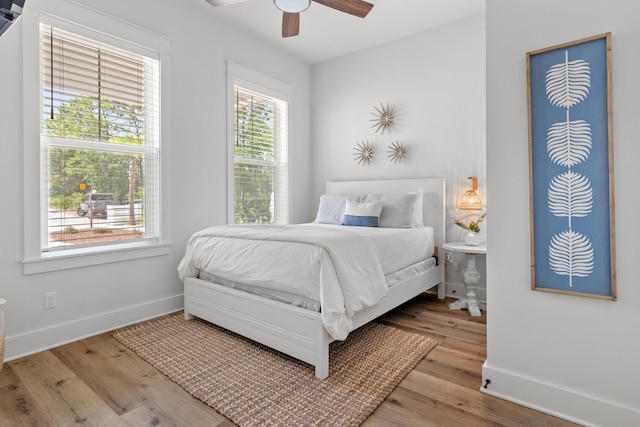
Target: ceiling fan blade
(223, 2)
(357, 8)
(290, 24)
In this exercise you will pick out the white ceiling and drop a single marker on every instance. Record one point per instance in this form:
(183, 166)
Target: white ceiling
(326, 33)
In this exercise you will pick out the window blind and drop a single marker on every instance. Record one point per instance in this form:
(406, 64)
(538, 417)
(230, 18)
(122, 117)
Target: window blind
(99, 142)
(260, 157)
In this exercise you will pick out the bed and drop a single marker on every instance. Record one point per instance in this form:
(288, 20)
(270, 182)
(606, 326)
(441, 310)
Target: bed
(299, 328)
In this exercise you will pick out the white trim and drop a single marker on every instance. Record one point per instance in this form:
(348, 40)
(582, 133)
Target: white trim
(589, 411)
(77, 258)
(229, 146)
(259, 82)
(53, 336)
(67, 14)
(31, 133)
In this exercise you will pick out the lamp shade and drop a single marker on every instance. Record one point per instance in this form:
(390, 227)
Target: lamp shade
(292, 6)
(470, 200)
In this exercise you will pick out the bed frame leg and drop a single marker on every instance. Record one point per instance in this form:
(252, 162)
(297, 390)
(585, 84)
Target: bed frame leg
(322, 370)
(441, 290)
(322, 353)
(188, 316)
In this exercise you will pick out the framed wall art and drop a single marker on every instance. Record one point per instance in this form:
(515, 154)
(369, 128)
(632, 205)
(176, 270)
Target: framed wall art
(571, 168)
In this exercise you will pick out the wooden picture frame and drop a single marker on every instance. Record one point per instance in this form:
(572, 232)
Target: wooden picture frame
(571, 168)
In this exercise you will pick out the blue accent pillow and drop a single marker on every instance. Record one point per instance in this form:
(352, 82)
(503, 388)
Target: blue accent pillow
(362, 214)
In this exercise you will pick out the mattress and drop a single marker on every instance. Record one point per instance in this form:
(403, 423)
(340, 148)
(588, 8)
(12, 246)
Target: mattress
(398, 247)
(393, 279)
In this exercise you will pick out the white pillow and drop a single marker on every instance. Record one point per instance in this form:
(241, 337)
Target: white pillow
(331, 208)
(362, 214)
(399, 210)
(418, 216)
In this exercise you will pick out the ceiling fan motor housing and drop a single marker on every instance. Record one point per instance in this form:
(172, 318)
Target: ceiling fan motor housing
(292, 6)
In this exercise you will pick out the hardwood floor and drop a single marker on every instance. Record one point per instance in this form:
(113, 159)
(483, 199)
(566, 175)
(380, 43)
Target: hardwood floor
(99, 382)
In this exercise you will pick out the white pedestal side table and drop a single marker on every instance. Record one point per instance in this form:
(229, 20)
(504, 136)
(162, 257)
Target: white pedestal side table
(470, 275)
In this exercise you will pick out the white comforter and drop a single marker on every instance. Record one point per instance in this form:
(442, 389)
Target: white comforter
(339, 268)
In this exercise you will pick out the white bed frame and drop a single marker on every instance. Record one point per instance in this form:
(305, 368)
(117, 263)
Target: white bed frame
(299, 332)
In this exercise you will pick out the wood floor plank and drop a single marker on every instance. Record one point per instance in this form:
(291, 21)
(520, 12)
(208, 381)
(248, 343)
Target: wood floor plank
(17, 405)
(61, 395)
(158, 413)
(131, 387)
(453, 367)
(405, 407)
(470, 350)
(174, 407)
(113, 372)
(482, 405)
(438, 324)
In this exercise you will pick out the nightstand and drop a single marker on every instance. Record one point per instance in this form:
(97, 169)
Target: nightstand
(470, 275)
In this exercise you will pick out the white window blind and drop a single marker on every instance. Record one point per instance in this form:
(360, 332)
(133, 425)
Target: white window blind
(260, 157)
(99, 142)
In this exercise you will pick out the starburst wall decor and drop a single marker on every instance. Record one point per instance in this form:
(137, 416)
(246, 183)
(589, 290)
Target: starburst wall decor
(364, 153)
(383, 118)
(397, 152)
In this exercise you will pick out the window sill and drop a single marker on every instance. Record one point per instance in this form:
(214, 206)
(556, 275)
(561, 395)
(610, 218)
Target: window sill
(55, 261)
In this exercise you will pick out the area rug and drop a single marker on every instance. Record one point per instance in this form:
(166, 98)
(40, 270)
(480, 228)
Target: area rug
(253, 385)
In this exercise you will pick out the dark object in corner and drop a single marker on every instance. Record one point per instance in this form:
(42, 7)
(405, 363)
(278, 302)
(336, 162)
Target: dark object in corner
(10, 11)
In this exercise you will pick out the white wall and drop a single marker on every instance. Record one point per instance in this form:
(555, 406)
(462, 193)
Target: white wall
(436, 83)
(98, 298)
(576, 357)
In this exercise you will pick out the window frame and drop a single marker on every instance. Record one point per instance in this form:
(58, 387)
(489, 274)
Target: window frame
(99, 26)
(265, 85)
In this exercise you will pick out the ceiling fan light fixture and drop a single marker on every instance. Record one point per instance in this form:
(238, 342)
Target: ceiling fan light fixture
(292, 6)
(223, 2)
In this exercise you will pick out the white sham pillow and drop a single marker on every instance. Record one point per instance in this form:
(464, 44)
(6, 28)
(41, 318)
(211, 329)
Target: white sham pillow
(362, 214)
(418, 215)
(399, 210)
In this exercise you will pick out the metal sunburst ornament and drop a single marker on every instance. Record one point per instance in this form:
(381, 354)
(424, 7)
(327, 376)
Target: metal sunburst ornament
(364, 153)
(397, 152)
(383, 118)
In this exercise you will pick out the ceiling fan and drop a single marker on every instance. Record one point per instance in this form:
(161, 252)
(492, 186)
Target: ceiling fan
(291, 10)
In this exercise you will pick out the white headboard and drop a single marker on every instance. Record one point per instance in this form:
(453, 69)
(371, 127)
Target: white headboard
(433, 189)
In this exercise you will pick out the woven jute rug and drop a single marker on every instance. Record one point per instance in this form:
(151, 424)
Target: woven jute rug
(253, 385)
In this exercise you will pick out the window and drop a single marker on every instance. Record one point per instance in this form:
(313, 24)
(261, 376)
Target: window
(260, 168)
(99, 143)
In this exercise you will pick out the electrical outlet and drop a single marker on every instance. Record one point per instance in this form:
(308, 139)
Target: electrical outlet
(49, 300)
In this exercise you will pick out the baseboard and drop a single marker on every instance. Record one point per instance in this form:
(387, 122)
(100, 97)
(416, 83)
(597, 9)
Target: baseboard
(21, 345)
(578, 408)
